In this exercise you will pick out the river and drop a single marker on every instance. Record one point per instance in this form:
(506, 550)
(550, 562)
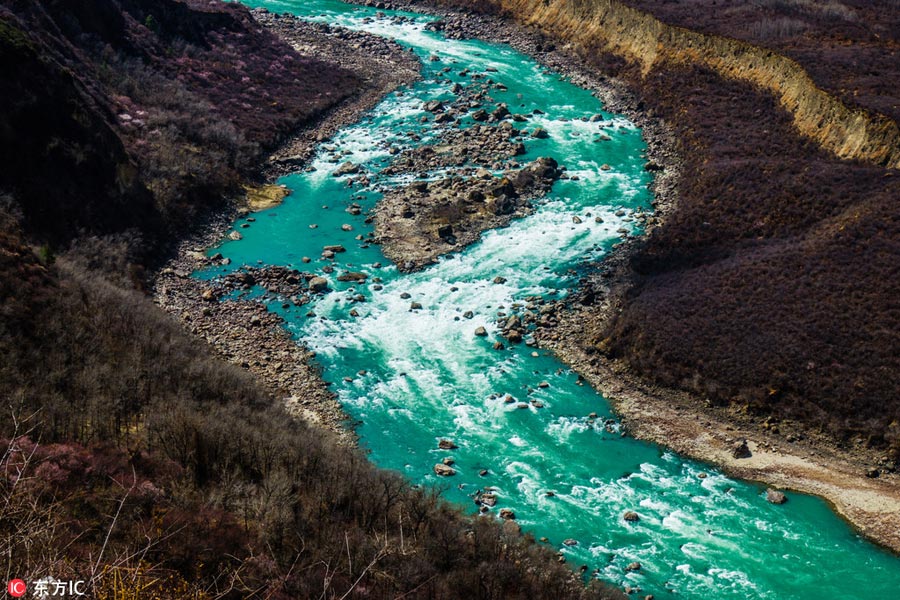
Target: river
(412, 377)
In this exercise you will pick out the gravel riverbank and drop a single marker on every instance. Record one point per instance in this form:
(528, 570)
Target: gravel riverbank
(244, 332)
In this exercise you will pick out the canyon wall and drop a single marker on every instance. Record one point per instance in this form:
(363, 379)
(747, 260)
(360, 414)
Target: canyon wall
(606, 25)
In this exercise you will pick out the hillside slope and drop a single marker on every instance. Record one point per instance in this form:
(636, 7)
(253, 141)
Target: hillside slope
(124, 114)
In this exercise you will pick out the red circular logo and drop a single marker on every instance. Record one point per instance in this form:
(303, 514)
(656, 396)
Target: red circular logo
(16, 588)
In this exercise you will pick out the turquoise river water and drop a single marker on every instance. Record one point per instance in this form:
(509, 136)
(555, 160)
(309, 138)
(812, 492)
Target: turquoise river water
(426, 376)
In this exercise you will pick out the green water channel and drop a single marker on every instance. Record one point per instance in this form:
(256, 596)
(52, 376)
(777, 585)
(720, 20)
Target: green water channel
(413, 377)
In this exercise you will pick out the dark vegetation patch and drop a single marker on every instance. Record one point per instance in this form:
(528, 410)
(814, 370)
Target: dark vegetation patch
(137, 114)
(773, 286)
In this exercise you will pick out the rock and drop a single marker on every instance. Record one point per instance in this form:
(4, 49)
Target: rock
(415, 306)
(443, 470)
(514, 336)
(405, 296)
(499, 280)
(448, 461)
(605, 167)
(483, 472)
(468, 314)
(445, 232)
(741, 450)
(481, 332)
(576, 220)
(335, 248)
(543, 385)
(447, 445)
(540, 133)
(480, 115)
(208, 295)
(775, 497)
(570, 542)
(507, 514)
(347, 227)
(873, 473)
(318, 284)
(635, 566)
(488, 499)
(348, 168)
(501, 112)
(353, 276)
(434, 105)
(631, 516)
(235, 236)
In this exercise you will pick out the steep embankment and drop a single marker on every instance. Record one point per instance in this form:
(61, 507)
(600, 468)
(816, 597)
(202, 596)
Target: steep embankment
(611, 27)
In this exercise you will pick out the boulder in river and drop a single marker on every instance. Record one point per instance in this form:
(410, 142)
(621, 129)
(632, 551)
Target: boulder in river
(444, 470)
(501, 112)
(775, 497)
(348, 168)
(352, 276)
(488, 499)
(318, 284)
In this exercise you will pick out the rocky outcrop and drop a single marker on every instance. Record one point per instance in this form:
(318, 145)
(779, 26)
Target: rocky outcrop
(593, 26)
(424, 220)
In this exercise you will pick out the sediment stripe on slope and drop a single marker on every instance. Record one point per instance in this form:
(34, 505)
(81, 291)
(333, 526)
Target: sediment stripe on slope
(607, 25)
